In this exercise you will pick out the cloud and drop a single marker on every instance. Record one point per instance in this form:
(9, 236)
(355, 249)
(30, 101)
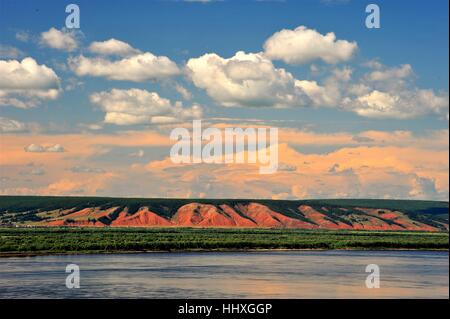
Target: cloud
(404, 104)
(251, 79)
(395, 165)
(22, 36)
(34, 171)
(362, 139)
(61, 40)
(137, 68)
(304, 45)
(388, 93)
(349, 172)
(183, 92)
(68, 186)
(137, 106)
(113, 47)
(11, 126)
(423, 188)
(328, 95)
(138, 153)
(9, 52)
(86, 169)
(385, 74)
(26, 83)
(37, 148)
(246, 79)
(391, 93)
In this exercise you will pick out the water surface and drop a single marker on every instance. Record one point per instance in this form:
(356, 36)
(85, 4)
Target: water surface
(271, 274)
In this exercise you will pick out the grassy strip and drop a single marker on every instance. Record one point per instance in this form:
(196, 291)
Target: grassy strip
(106, 240)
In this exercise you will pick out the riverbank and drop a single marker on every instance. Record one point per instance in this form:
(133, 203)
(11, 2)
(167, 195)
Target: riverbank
(50, 241)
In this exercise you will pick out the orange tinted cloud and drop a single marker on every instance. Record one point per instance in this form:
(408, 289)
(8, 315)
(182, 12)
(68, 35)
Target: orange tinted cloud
(376, 164)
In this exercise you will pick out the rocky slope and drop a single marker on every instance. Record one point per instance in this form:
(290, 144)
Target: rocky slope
(227, 213)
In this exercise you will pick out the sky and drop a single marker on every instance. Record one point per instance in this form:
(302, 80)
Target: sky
(361, 113)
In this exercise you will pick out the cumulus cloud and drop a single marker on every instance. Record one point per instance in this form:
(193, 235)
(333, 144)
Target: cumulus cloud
(136, 68)
(37, 148)
(246, 79)
(391, 93)
(11, 126)
(395, 165)
(349, 172)
(59, 39)
(386, 74)
(26, 83)
(112, 47)
(251, 79)
(320, 95)
(381, 93)
(304, 45)
(137, 106)
(401, 105)
(331, 92)
(423, 188)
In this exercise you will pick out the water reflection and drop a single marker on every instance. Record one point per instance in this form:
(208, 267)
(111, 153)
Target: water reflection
(293, 274)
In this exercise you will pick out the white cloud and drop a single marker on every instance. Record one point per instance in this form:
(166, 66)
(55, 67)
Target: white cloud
(11, 126)
(378, 104)
(384, 74)
(246, 79)
(136, 106)
(303, 45)
(25, 83)
(391, 93)
(320, 95)
(36, 148)
(382, 93)
(330, 93)
(400, 104)
(113, 47)
(61, 40)
(136, 68)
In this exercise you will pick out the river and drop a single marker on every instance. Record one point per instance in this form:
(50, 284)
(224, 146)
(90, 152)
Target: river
(267, 274)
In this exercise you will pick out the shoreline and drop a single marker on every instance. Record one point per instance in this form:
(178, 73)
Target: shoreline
(256, 250)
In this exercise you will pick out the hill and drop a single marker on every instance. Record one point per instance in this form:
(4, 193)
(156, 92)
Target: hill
(350, 214)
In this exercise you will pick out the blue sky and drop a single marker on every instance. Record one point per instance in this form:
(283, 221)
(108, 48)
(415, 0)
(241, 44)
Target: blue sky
(413, 32)
(409, 52)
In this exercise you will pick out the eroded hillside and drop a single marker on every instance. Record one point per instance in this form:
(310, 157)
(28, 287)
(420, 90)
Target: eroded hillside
(331, 214)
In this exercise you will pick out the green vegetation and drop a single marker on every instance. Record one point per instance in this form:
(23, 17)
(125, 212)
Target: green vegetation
(108, 240)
